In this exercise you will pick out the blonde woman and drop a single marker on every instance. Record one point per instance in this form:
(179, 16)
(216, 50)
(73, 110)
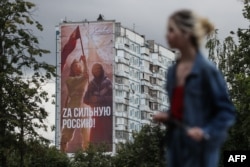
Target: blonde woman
(200, 109)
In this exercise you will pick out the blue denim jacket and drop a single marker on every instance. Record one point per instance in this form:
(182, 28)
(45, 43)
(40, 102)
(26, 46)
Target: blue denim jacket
(206, 100)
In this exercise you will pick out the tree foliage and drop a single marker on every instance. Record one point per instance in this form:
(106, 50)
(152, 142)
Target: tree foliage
(39, 154)
(232, 57)
(145, 151)
(21, 79)
(47, 156)
(94, 155)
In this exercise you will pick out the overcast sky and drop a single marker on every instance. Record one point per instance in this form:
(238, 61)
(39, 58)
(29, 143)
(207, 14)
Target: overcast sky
(149, 17)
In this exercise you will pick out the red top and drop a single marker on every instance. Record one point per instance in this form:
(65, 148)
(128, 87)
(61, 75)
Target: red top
(177, 102)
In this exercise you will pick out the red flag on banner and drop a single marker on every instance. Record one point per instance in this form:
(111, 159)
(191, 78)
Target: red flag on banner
(70, 46)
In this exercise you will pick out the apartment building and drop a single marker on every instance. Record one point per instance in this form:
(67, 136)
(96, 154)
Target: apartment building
(137, 73)
(140, 67)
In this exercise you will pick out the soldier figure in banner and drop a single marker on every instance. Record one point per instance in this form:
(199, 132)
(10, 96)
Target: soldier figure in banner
(99, 95)
(76, 83)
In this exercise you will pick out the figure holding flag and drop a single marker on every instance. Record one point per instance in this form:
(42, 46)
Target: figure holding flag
(76, 84)
(72, 138)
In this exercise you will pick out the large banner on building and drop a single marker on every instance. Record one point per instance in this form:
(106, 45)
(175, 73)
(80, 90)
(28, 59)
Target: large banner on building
(86, 85)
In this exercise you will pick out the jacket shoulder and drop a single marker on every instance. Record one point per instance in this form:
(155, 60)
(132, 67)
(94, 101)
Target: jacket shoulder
(209, 66)
(106, 81)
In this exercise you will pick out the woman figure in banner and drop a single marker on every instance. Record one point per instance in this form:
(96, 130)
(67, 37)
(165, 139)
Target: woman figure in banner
(201, 111)
(76, 83)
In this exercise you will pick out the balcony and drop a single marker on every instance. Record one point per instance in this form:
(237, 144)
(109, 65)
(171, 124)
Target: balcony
(158, 87)
(159, 100)
(122, 87)
(121, 100)
(121, 114)
(145, 50)
(145, 121)
(145, 70)
(121, 127)
(156, 62)
(126, 88)
(121, 46)
(157, 75)
(147, 83)
(126, 56)
(145, 57)
(145, 96)
(121, 73)
(121, 60)
(120, 140)
(145, 108)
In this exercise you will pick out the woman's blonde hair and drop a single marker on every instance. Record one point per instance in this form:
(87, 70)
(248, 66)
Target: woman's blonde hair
(197, 26)
(72, 73)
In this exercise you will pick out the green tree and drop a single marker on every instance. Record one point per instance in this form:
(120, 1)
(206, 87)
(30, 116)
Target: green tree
(233, 60)
(39, 154)
(21, 95)
(47, 156)
(93, 156)
(146, 150)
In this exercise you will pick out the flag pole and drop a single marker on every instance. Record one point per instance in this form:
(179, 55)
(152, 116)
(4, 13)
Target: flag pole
(85, 64)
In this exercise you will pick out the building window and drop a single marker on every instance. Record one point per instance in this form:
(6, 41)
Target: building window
(153, 93)
(118, 80)
(137, 127)
(137, 100)
(132, 47)
(137, 75)
(143, 115)
(120, 87)
(127, 95)
(120, 67)
(136, 114)
(119, 134)
(119, 107)
(138, 49)
(152, 80)
(125, 107)
(119, 93)
(132, 126)
(154, 68)
(142, 89)
(153, 106)
(119, 121)
(126, 42)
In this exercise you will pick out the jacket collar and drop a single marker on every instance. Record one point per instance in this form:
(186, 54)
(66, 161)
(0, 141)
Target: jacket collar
(195, 71)
(196, 66)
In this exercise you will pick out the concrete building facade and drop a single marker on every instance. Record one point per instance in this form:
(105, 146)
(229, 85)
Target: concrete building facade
(140, 68)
